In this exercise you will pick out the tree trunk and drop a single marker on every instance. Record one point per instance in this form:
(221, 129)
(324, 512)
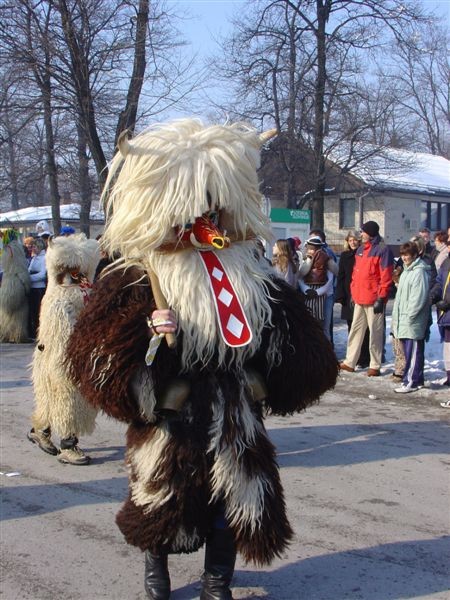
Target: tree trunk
(13, 179)
(80, 71)
(52, 171)
(127, 117)
(93, 140)
(40, 190)
(291, 159)
(319, 103)
(83, 180)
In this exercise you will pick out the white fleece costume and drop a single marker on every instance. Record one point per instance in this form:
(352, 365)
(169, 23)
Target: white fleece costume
(71, 263)
(14, 290)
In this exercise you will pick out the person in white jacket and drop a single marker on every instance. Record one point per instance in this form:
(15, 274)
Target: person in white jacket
(38, 277)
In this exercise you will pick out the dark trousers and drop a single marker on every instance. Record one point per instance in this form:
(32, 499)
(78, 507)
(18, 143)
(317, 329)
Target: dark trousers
(414, 361)
(35, 299)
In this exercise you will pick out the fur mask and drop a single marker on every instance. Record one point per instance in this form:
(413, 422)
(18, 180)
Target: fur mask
(172, 174)
(72, 260)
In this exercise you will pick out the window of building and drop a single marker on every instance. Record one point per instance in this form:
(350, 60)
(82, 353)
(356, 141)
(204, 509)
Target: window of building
(423, 214)
(434, 215)
(445, 216)
(347, 210)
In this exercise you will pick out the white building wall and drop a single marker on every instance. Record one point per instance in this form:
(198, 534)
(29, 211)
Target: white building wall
(402, 219)
(397, 214)
(366, 209)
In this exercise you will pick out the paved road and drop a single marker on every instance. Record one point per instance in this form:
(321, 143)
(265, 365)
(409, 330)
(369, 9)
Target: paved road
(367, 485)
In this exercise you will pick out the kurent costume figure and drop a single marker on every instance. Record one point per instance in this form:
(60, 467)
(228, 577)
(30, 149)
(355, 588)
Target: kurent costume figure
(60, 408)
(14, 290)
(183, 212)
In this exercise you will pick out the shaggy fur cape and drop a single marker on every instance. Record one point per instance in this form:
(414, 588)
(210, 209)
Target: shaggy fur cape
(14, 291)
(58, 403)
(218, 450)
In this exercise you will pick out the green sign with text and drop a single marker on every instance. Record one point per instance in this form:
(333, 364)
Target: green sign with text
(290, 215)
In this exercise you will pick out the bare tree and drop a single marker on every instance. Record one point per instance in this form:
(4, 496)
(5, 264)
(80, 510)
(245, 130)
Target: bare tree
(9, 131)
(22, 155)
(269, 60)
(127, 117)
(332, 36)
(26, 39)
(89, 46)
(420, 73)
(76, 22)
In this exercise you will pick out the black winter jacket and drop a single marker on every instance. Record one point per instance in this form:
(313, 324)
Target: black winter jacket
(342, 294)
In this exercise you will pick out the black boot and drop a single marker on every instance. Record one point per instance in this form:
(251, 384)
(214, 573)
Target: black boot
(156, 576)
(220, 556)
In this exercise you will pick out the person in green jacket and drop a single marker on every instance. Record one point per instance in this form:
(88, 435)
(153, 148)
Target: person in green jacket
(410, 315)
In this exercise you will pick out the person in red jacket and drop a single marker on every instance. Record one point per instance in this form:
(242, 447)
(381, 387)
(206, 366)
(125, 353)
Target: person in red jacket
(371, 281)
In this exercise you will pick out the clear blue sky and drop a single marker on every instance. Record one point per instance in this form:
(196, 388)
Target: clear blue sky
(209, 20)
(203, 23)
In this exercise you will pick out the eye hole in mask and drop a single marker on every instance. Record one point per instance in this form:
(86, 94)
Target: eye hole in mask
(213, 216)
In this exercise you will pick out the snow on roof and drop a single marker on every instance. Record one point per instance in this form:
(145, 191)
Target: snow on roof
(410, 171)
(68, 212)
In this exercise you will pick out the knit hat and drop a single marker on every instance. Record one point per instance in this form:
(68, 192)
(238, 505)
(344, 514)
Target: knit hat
(371, 228)
(314, 241)
(67, 230)
(297, 242)
(42, 227)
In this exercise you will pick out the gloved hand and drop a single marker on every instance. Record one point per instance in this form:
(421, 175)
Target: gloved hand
(443, 305)
(310, 294)
(378, 306)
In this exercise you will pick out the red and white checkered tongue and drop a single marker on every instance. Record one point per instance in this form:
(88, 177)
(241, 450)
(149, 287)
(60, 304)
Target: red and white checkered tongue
(233, 323)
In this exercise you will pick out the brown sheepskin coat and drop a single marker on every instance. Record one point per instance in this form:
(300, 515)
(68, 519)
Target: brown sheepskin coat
(217, 450)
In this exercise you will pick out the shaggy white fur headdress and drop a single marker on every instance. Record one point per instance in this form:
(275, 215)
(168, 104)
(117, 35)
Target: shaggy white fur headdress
(72, 252)
(172, 173)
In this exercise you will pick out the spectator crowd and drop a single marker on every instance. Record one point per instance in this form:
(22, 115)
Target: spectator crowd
(362, 281)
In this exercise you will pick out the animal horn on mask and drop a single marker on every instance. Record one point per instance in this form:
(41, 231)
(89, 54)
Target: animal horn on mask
(123, 144)
(265, 136)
